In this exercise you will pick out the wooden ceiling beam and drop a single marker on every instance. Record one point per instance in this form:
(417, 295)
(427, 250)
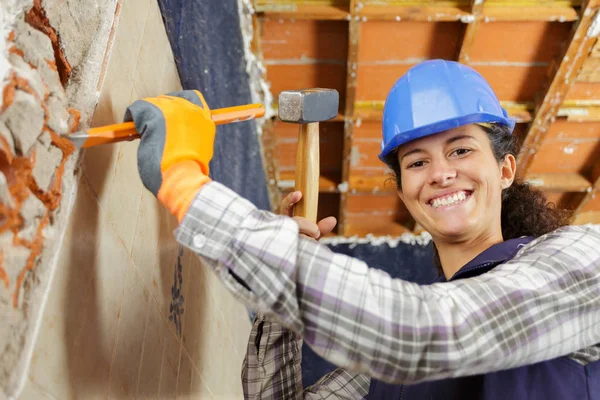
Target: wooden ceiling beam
(589, 217)
(351, 83)
(289, 10)
(581, 43)
(268, 136)
(285, 183)
(470, 29)
(592, 192)
(384, 183)
(575, 111)
(563, 13)
(417, 12)
(571, 183)
(372, 110)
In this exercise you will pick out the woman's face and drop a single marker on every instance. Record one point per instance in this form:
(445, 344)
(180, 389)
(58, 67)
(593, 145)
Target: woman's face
(452, 184)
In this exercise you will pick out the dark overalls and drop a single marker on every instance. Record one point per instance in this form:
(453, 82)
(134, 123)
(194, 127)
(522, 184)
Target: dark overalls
(557, 379)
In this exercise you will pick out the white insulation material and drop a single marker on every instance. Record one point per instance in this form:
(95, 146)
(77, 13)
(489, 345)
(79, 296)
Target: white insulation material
(407, 238)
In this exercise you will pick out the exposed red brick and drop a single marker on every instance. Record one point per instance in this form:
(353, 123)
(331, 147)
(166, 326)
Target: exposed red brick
(75, 118)
(21, 184)
(16, 50)
(36, 248)
(36, 17)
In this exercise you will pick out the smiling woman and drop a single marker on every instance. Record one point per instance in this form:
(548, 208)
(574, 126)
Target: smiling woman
(514, 315)
(460, 186)
(450, 147)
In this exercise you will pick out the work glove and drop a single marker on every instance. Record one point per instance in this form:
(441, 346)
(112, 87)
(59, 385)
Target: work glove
(176, 146)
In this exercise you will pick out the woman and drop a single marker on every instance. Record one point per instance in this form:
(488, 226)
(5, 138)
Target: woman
(516, 311)
(455, 174)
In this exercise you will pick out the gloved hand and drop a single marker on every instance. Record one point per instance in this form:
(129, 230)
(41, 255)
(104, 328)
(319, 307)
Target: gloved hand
(176, 145)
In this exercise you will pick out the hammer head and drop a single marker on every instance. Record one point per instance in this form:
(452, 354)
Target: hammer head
(308, 105)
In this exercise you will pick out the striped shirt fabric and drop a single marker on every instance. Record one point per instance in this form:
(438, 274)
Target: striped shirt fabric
(542, 304)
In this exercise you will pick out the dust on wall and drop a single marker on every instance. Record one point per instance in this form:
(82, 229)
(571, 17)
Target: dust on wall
(51, 56)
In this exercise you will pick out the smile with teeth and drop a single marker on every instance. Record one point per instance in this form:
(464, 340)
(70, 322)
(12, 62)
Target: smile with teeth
(450, 199)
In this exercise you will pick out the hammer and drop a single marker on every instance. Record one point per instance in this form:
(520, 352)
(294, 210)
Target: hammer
(308, 107)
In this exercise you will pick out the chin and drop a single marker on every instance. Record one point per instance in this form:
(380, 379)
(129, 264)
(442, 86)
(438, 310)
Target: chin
(452, 229)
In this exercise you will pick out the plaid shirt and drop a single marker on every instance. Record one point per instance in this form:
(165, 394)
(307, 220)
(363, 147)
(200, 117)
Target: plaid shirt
(542, 304)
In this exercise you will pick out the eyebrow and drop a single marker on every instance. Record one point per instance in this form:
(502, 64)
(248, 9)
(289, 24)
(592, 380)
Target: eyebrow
(449, 141)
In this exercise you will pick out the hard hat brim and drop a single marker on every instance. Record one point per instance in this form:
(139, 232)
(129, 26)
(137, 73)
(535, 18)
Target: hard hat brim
(442, 126)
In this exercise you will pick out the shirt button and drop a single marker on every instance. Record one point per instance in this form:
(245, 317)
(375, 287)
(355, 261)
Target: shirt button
(199, 241)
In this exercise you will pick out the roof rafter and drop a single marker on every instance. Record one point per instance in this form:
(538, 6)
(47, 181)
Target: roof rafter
(351, 82)
(581, 43)
(471, 28)
(592, 192)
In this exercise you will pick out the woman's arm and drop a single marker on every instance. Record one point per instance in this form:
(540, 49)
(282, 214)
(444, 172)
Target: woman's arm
(542, 304)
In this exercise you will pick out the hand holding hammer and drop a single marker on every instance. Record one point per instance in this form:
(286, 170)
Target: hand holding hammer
(308, 107)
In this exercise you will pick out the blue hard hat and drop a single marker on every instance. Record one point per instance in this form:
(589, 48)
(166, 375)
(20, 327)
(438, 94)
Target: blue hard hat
(435, 96)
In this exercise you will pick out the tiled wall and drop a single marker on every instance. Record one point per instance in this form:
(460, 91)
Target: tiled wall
(106, 331)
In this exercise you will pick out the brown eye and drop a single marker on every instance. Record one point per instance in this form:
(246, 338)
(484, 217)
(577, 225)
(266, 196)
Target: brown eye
(461, 152)
(416, 164)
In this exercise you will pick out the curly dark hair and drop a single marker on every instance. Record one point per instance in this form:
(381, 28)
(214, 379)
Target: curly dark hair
(525, 210)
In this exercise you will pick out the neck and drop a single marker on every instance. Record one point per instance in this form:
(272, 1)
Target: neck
(454, 256)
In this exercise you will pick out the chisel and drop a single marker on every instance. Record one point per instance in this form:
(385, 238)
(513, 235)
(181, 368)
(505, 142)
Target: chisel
(126, 131)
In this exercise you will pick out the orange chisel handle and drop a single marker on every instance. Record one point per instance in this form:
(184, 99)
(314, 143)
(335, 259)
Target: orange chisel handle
(126, 131)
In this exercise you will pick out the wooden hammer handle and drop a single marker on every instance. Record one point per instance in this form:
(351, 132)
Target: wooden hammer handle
(307, 171)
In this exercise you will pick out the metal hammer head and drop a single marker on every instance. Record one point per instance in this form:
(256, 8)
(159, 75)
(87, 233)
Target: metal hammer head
(308, 105)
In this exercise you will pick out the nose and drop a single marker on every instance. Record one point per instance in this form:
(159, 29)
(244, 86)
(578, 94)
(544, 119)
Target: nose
(441, 172)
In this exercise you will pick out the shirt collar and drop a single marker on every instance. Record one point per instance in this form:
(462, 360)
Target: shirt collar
(496, 254)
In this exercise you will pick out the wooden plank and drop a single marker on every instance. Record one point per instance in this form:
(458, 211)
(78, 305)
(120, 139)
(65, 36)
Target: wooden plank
(548, 182)
(372, 110)
(589, 217)
(471, 28)
(566, 156)
(547, 110)
(286, 183)
(593, 192)
(520, 111)
(371, 184)
(417, 12)
(563, 13)
(540, 43)
(428, 13)
(590, 72)
(301, 76)
(351, 82)
(268, 133)
(311, 11)
(271, 165)
(420, 41)
(580, 114)
(559, 182)
(583, 91)
(381, 214)
(301, 41)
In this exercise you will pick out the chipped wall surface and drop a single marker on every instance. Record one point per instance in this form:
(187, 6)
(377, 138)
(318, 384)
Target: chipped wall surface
(126, 311)
(37, 180)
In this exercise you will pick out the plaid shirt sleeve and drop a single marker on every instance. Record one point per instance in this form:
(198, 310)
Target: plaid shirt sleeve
(272, 369)
(542, 304)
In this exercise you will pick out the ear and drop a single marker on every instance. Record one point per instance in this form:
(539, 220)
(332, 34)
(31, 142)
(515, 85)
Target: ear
(508, 169)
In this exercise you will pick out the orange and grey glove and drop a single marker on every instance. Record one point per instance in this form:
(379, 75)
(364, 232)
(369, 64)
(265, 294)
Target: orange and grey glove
(176, 146)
